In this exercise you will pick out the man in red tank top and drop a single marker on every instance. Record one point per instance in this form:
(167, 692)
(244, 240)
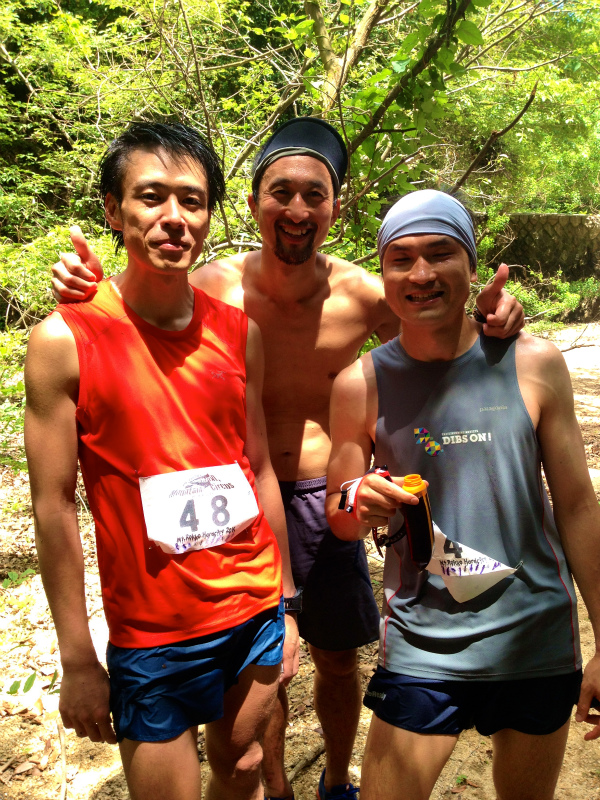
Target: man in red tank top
(157, 389)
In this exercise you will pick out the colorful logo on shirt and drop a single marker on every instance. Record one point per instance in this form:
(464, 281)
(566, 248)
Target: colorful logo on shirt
(432, 448)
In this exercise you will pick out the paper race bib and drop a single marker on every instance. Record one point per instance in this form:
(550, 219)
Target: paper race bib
(197, 508)
(466, 572)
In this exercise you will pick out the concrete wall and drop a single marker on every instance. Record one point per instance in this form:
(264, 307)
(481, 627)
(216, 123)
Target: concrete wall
(549, 242)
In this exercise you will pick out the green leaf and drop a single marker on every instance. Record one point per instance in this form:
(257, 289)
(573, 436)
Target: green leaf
(53, 681)
(14, 687)
(291, 34)
(409, 42)
(344, 18)
(29, 682)
(309, 53)
(258, 30)
(400, 66)
(423, 32)
(468, 32)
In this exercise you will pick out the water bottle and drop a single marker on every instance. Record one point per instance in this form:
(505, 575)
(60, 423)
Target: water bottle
(418, 522)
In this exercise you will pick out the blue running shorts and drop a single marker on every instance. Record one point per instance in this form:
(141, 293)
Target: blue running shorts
(339, 611)
(157, 693)
(537, 706)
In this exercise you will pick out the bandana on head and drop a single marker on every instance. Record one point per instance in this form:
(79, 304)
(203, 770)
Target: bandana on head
(304, 136)
(428, 211)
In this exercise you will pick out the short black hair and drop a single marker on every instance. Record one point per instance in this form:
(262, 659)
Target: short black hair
(178, 140)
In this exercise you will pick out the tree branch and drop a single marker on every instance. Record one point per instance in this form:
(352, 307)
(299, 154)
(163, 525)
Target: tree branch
(522, 69)
(494, 136)
(376, 180)
(430, 51)
(331, 63)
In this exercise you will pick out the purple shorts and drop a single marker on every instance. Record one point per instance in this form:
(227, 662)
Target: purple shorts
(339, 611)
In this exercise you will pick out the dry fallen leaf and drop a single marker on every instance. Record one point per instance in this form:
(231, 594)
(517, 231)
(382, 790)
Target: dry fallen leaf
(24, 767)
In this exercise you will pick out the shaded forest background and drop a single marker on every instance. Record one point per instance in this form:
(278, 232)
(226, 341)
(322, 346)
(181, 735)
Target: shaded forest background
(495, 99)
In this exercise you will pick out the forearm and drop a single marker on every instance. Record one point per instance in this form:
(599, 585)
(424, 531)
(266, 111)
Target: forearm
(62, 569)
(343, 524)
(270, 497)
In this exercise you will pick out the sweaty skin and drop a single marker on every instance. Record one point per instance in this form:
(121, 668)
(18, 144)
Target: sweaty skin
(315, 312)
(427, 283)
(308, 341)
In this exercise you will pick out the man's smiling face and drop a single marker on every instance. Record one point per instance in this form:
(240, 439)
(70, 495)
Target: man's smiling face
(164, 212)
(295, 207)
(426, 277)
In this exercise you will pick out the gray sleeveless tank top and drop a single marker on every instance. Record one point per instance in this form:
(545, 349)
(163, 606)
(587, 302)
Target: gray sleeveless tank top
(463, 426)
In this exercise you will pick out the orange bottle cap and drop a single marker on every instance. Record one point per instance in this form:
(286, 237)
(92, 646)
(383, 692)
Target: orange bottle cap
(413, 484)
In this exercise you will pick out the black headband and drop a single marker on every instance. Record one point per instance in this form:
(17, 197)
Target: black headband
(304, 136)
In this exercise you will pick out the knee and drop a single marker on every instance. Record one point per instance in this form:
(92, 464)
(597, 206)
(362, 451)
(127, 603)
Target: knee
(335, 664)
(235, 767)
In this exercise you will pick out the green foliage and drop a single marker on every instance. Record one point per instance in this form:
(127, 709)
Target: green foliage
(28, 683)
(542, 297)
(417, 99)
(25, 295)
(16, 579)
(12, 397)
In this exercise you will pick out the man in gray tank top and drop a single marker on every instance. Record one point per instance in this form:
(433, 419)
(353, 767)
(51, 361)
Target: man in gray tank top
(486, 635)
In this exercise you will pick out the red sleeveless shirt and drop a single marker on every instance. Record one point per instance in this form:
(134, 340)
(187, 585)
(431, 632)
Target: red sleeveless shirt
(153, 401)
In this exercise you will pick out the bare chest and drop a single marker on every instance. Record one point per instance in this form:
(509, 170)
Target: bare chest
(305, 348)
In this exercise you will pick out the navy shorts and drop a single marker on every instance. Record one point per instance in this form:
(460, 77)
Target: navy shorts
(339, 611)
(157, 693)
(536, 706)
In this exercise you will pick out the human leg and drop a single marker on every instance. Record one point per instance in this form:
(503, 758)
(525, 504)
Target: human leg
(525, 766)
(400, 764)
(337, 701)
(339, 615)
(233, 743)
(168, 770)
(275, 778)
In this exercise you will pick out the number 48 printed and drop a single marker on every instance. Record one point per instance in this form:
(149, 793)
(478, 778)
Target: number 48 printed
(220, 516)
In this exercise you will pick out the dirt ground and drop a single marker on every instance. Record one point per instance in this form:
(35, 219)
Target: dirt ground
(35, 763)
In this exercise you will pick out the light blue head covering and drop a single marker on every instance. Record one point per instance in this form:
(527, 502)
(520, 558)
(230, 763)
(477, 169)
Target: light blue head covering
(428, 211)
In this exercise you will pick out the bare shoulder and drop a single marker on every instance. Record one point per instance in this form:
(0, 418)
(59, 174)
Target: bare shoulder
(52, 334)
(357, 379)
(539, 355)
(355, 280)
(221, 278)
(543, 377)
(52, 363)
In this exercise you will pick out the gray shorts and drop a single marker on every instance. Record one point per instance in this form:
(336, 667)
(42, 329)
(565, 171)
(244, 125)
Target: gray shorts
(339, 610)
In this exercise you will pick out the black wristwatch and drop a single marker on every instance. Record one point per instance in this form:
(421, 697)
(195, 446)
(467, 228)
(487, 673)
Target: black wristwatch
(479, 316)
(294, 604)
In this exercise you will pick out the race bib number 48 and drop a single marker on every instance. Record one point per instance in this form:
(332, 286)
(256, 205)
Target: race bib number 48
(197, 508)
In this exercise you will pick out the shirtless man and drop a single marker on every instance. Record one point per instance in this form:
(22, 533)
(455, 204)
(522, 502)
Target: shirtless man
(315, 312)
